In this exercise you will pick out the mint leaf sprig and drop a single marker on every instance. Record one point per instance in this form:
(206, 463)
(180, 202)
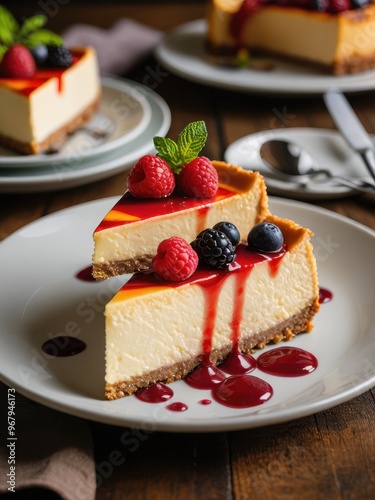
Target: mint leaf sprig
(30, 33)
(189, 144)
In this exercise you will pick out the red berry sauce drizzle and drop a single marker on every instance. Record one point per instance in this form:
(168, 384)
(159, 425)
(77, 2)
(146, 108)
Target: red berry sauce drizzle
(63, 346)
(85, 274)
(239, 389)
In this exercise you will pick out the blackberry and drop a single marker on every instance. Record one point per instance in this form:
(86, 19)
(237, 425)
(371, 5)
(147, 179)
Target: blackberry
(229, 230)
(214, 249)
(59, 56)
(265, 238)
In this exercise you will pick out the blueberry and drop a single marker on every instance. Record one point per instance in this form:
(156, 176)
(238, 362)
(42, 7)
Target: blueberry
(40, 54)
(230, 231)
(320, 5)
(265, 238)
(358, 4)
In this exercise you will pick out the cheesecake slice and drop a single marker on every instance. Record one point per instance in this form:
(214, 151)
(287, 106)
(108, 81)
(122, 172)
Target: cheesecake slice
(159, 331)
(338, 42)
(37, 111)
(127, 238)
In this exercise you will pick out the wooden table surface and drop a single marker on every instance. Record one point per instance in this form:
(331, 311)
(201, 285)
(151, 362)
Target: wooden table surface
(327, 455)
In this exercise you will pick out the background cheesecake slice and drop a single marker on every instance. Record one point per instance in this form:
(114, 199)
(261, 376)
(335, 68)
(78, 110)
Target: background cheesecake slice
(158, 331)
(37, 111)
(338, 42)
(127, 238)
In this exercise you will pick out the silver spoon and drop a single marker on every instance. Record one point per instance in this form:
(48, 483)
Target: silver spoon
(289, 159)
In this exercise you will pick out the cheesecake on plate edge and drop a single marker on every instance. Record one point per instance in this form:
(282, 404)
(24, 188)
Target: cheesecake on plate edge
(338, 42)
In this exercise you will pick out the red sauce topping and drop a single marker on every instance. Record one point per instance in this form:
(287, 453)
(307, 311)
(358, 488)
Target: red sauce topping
(325, 296)
(129, 209)
(178, 406)
(63, 346)
(287, 362)
(156, 393)
(242, 391)
(27, 86)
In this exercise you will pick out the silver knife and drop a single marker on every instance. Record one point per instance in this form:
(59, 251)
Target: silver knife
(350, 127)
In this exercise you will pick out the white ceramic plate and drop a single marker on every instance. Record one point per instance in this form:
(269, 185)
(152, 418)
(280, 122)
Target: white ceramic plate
(64, 174)
(326, 146)
(45, 299)
(123, 115)
(183, 52)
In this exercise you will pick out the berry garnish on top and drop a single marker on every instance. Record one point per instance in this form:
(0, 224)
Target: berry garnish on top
(24, 46)
(230, 231)
(151, 177)
(59, 56)
(214, 249)
(17, 63)
(196, 176)
(265, 237)
(175, 260)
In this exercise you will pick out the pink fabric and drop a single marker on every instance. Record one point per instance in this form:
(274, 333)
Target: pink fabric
(119, 48)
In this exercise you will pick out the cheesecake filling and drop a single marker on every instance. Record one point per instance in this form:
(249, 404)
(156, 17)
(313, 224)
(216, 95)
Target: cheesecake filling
(260, 299)
(128, 237)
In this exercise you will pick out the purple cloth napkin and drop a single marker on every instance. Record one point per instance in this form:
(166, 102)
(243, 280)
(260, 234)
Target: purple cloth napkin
(120, 48)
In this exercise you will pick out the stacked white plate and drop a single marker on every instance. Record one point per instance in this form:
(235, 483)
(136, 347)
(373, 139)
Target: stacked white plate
(122, 130)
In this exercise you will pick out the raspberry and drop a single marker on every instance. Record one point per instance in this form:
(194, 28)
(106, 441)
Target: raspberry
(151, 177)
(198, 179)
(175, 260)
(214, 249)
(18, 62)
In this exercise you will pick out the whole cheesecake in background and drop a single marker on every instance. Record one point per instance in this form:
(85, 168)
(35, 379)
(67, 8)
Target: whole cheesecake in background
(334, 35)
(46, 89)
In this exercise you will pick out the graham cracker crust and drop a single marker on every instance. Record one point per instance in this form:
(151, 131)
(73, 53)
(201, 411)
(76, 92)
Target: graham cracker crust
(286, 330)
(116, 268)
(35, 148)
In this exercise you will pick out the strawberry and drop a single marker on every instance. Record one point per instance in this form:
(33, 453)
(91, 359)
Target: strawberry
(175, 260)
(151, 177)
(18, 63)
(198, 178)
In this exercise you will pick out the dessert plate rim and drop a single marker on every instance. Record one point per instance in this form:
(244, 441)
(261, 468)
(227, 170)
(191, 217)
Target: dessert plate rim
(326, 146)
(46, 298)
(120, 97)
(182, 52)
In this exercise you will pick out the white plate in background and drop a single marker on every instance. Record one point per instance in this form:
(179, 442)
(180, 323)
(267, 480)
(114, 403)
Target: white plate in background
(327, 147)
(64, 174)
(183, 52)
(123, 115)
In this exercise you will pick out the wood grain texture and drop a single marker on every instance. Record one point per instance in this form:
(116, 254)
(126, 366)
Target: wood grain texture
(329, 455)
